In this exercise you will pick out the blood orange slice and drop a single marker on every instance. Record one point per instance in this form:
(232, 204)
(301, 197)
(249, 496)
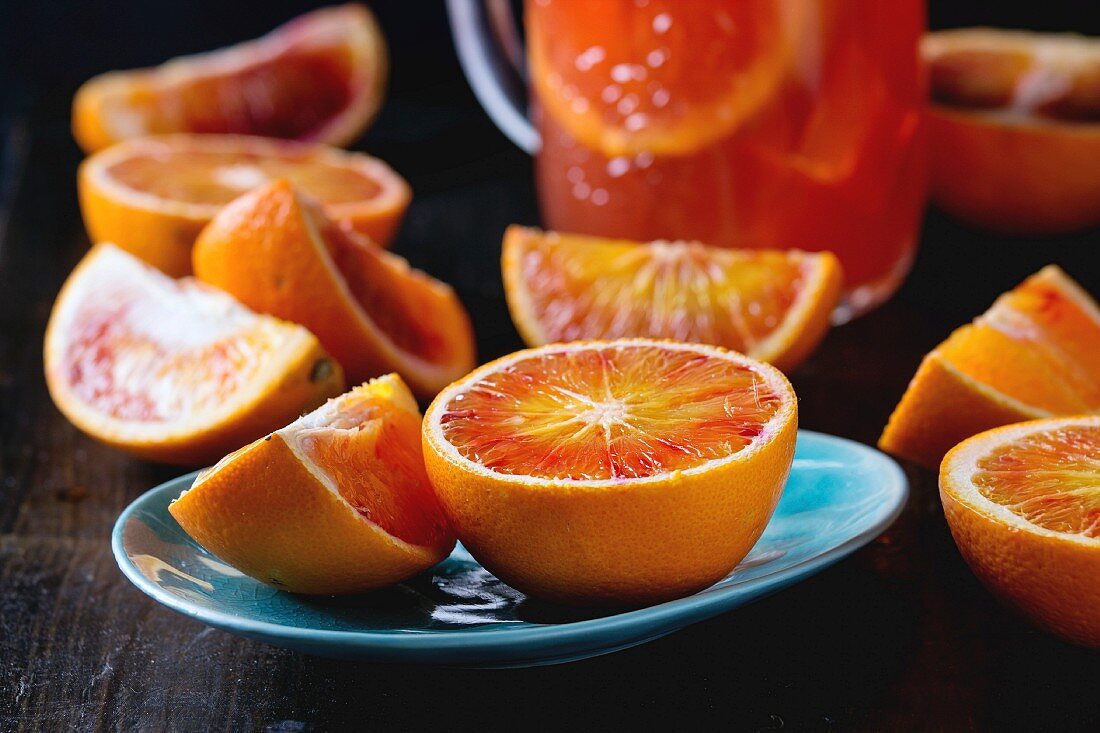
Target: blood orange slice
(154, 195)
(319, 77)
(628, 471)
(171, 370)
(1035, 353)
(278, 253)
(665, 79)
(335, 502)
(1023, 503)
(772, 305)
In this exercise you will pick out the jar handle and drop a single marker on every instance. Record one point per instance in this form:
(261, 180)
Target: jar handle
(491, 55)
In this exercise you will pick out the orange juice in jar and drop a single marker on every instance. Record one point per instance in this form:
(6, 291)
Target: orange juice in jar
(740, 123)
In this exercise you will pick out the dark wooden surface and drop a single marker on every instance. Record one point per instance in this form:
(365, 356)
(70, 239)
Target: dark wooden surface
(898, 637)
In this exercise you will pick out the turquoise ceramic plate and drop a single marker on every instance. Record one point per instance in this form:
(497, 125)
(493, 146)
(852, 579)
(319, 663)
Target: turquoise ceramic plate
(840, 496)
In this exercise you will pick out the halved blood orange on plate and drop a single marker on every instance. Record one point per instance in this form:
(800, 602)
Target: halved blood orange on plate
(1035, 353)
(336, 502)
(320, 77)
(771, 305)
(278, 253)
(1023, 503)
(1015, 128)
(612, 472)
(665, 79)
(152, 196)
(175, 371)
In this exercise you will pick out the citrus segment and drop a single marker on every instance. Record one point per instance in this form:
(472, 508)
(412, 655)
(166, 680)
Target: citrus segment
(174, 370)
(336, 502)
(771, 305)
(319, 77)
(628, 471)
(277, 252)
(1035, 353)
(1015, 128)
(359, 463)
(1023, 504)
(666, 79)
(1060, 323)
(154, 195)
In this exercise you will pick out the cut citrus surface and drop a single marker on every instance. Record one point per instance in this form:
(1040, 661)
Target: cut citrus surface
(175, 371)
(278, 253)
(152, 196)
(1023, 503)
(612, 472)
(665, 79)
(1015, 128)
(1035, 353)
(771, 305)
(336, 502)
(319, 77)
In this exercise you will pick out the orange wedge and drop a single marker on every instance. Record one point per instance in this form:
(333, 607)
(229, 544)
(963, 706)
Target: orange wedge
(771, 305)
(175, 371)
(613, 472)
(154, 195)
(665, 79)
(335, 502)
(278, 253)
(1014, 126)
(320, 77)
(1023, 503)
(1035, 353)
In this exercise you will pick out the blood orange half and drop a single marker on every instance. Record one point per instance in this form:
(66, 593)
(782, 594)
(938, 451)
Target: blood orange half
(771, 305)
(319, 77)
(335, 502)
(627, 471)
(152, 196)
(1014, 126)
(175, 371)
(1023, 503)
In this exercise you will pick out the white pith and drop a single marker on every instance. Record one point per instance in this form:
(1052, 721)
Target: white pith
(602, 412)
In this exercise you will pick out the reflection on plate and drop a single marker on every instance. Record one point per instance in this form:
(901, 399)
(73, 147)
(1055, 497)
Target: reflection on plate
(840, 495)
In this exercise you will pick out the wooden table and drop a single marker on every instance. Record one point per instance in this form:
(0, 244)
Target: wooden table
(899, 636)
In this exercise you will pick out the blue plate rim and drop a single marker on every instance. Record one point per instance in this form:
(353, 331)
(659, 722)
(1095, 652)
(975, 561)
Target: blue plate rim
(643, 620)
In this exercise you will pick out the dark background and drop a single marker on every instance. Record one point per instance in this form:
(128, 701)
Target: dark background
(899, 636)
